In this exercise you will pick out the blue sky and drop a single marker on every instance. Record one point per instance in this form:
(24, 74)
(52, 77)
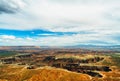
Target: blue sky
(59, 22)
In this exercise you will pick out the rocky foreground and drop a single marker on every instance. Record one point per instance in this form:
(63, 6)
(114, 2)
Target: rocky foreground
(21, 73)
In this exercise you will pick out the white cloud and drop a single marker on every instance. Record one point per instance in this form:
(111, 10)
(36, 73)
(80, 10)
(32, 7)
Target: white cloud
(66, 40)
(99, 16)
(46, 34)
(64, 15)
(11, 37)
(28, 38)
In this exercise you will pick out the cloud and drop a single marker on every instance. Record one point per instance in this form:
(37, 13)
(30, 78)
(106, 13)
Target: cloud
(92, 21)
(46, 34)
(67, 16)
(65, 40)
(11, 37)
(11, 6)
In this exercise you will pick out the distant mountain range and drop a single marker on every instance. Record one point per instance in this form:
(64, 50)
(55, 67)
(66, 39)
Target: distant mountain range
(92, 47)
(19, 47)
(97, 47)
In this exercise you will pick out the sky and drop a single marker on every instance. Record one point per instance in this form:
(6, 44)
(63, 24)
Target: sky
(59, 22)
